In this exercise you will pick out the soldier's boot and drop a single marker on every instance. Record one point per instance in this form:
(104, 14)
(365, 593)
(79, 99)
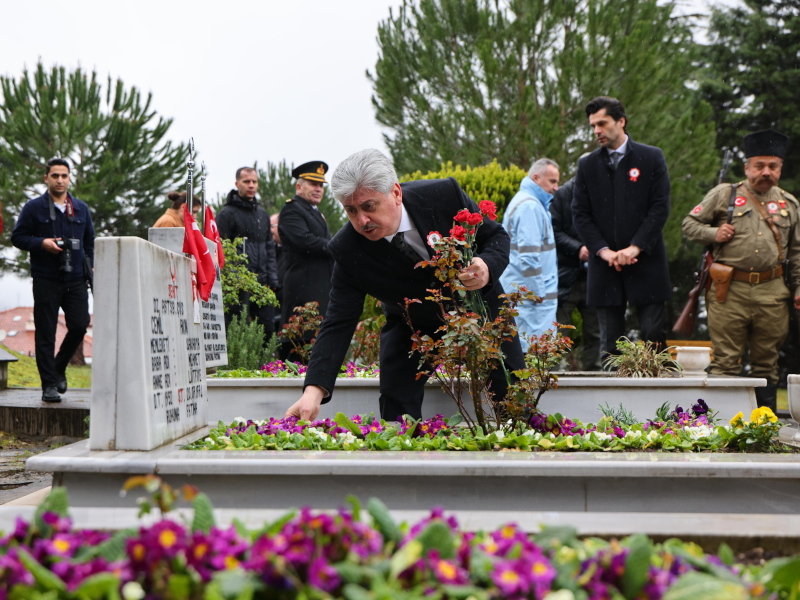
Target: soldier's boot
(767, 396)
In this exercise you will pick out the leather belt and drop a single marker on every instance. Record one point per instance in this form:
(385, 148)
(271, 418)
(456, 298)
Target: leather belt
(756, 277)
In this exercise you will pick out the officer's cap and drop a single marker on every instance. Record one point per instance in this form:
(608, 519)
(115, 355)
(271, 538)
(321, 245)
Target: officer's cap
(765, 143)
(313, 171)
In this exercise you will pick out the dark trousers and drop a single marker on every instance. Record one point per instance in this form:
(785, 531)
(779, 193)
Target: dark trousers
(652, 325)
(402, 393)
(590, 335)
(48, 297)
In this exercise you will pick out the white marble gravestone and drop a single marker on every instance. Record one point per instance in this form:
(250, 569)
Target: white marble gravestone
(149, 369)
(214, 340)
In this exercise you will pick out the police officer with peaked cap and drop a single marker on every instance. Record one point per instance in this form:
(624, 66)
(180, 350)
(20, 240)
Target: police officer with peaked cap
(761, 241)
(305, 235)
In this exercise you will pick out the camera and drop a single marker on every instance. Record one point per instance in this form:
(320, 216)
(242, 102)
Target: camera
(67, 246)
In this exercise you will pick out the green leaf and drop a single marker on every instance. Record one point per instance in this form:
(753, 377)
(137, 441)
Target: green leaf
(236, 584)
(355, 506)
(455, 420)
(113, 549)
(637, 565)
(343, 421)
(57, 501)
(438, 536)
(405, 557)
(788, 574)
(700, 586)
(101, 586)
(203, 513)
(383, 521)
(726, 554)
(355, 592)
(43, 576)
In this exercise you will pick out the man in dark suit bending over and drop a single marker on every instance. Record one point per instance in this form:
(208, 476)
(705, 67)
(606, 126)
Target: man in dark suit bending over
(375, 253)
(620, 205)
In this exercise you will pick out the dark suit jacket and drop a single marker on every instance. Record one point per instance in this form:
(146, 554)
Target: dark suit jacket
(307, 261)
(617, 208)
(568, 244)
(380, 270)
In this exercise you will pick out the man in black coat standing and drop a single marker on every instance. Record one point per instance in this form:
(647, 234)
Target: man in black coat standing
(243, 217)
(572, 264)
(620, 206)
(304, 236)
(375, 254)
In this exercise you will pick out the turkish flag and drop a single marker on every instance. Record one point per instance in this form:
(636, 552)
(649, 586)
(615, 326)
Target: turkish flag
(195, 244)
(212, 233)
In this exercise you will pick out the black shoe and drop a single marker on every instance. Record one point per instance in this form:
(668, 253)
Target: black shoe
(50, 394)
(61, 385)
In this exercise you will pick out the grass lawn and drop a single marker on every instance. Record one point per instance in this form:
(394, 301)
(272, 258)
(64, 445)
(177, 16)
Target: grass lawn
(24, 373)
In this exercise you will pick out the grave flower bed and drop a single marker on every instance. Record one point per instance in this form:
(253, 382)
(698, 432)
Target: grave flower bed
(279, 368)
(359, 554)
(693, 430)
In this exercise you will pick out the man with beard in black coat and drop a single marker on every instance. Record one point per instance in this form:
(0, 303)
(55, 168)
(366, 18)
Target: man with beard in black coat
(243, 217)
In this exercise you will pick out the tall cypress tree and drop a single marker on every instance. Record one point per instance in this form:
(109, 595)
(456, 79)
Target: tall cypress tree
(122, 165)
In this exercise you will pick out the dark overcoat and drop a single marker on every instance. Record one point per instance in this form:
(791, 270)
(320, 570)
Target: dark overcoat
(618, 208)
(379, 269)
(307, 260)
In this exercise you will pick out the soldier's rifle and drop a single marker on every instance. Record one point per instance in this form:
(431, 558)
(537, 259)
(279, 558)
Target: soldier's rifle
(686, 321)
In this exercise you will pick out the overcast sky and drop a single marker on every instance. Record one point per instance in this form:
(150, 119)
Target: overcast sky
(250, 80)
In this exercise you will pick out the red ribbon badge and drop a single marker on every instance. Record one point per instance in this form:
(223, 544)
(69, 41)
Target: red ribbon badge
(772, 207)
(634, 174)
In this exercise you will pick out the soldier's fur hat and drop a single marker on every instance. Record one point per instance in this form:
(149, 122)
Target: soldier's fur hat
(765, 143)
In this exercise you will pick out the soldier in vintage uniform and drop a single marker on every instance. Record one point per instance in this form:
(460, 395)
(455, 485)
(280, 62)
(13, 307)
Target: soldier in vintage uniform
(753, 227)
(304, 235)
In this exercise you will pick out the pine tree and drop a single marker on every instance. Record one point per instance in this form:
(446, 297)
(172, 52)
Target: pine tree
(122, 165)
(752, 77)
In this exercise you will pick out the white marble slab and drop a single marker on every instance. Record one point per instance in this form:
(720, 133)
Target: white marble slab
(214, 340)
(149, 367)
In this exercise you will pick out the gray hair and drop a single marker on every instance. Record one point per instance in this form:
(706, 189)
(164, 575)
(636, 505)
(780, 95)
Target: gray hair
(539, 167)
(365, 170)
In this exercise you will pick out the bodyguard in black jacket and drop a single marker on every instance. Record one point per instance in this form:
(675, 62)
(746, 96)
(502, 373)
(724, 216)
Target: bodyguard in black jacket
(56, 229)
(243, 217)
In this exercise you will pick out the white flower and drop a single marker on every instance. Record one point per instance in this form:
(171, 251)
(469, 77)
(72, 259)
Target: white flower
(699, 431)
(602, 435)
(633, 435)
(652, 435)
(317, 432)
(347, 438)
(132, 591)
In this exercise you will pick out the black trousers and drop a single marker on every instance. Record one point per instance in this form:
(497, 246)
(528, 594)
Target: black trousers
(652, 325)
(402, 393)
(48, 297)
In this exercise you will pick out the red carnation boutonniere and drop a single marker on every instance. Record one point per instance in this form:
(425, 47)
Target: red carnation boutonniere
(634, 174)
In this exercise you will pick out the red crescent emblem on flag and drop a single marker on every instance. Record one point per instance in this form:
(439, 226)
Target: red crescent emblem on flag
(740, 201)
(634, 174)
(697, 209)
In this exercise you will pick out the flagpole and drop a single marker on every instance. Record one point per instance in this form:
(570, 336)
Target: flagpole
(203, 194)
(189, 180)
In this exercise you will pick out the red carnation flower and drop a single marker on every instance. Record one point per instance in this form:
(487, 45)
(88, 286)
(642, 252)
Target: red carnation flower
(474, 219)
(462, 216)
(488, 208)
(458, 232)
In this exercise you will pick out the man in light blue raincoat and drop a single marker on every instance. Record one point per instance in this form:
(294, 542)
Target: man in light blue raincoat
(532, 262)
